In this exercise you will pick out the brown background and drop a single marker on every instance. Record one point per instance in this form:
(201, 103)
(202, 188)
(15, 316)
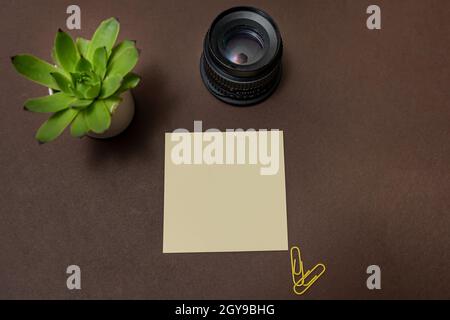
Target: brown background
(366, 117)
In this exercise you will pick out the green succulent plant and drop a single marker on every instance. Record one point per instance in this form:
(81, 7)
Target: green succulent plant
(87, 78)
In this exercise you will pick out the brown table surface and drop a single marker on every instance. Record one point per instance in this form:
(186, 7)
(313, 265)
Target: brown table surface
(366, 117)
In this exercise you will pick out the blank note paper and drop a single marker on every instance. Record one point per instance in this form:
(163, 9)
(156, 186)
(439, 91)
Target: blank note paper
(224, 192)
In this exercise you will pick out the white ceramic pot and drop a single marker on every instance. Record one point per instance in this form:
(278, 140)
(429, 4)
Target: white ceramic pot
(120, 119)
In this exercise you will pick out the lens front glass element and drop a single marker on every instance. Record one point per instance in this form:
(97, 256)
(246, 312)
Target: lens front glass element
(243, 47)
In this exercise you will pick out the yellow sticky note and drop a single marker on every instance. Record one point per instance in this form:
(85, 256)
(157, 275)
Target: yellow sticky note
(224, 192)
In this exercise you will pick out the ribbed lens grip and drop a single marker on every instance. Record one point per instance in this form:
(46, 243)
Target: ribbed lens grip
(242, 90)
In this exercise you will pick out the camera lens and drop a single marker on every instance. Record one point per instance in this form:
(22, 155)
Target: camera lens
(241, 60)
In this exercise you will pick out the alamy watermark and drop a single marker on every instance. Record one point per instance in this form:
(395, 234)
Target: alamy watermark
(232, 147)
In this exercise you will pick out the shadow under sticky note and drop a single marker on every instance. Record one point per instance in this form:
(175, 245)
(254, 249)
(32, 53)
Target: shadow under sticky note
(223, 207)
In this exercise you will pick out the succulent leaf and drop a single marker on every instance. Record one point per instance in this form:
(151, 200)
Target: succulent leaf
(50, 104)
(104, 36)
(110, 86)
(63, 83)
(81, 103)
(66, 51)
(35, 70)
(118, 49)
(55, 58)
(83, 46)
(100, 61)
(88, 91)
(112, 103)
(81, 91)
(93, 91)
(83, 65)
(78, 94)
(55, 125)
(123, 59)
(98, 118)
(79, 128)
(130, 81)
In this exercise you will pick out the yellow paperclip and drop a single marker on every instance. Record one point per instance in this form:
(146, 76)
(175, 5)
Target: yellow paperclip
(301, 272)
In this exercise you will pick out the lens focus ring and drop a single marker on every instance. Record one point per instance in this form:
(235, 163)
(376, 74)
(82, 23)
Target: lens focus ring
(243, 90)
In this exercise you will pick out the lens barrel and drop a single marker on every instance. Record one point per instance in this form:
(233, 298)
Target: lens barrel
(241, 60)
